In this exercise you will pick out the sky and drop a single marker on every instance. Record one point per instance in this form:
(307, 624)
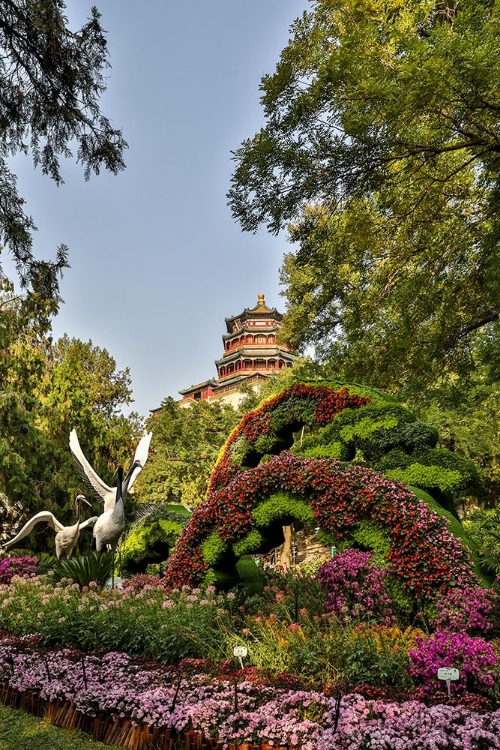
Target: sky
(157, 260)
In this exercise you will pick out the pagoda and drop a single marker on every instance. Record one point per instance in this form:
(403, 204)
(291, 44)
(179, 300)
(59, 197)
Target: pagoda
(251, 354)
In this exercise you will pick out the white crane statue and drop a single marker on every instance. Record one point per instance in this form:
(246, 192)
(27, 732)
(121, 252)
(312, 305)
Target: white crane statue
(102, 490)
(66, 536)
(109, 526)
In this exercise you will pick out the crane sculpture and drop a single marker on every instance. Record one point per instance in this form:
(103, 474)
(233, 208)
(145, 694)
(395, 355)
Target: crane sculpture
(66, 536)
(109, 526)
(103, 491)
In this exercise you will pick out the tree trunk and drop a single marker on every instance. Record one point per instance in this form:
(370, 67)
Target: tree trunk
(286, 550)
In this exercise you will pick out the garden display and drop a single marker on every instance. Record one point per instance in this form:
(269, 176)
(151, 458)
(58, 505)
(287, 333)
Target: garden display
(218, 650)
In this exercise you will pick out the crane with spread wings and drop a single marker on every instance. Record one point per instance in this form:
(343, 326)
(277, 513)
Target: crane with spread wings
(66, 536)
(100, 489)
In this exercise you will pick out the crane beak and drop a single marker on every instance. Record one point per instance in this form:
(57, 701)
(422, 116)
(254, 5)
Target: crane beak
(84, 500)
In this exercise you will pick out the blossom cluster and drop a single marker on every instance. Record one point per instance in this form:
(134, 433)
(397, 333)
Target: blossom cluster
(408, 726)
(471, 610)
(354, 587)
(16, 566)
(475, 659)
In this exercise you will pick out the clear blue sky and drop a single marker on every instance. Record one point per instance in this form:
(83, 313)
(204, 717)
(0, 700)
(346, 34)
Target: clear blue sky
(157, 261)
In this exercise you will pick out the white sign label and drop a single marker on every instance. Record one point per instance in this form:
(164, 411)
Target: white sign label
(448, 673)
(240, 651)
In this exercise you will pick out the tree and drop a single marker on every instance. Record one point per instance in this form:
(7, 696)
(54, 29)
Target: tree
(51, 80)
(382, 147)
(47, 389)
(186, 443)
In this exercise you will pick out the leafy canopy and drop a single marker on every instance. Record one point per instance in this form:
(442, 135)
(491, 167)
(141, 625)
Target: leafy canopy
(185, 446)
(46, 389)
(51, 80)
(382, 147)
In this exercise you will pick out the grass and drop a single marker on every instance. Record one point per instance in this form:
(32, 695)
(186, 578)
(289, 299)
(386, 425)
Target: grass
(21, 731)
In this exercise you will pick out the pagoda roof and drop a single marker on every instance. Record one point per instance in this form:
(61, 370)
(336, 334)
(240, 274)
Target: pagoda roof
(260, 310)
(198, 386)
(263, 353)
(249, 329)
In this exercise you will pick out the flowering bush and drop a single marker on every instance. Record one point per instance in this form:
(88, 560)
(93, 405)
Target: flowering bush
(142, 621)
(471, 610)
(355, 587)
(475, 658)
(407, 726)
(16, 566)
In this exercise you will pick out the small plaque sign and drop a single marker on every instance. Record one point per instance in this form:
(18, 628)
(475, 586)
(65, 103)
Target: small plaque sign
(448, 673)
(240, 651)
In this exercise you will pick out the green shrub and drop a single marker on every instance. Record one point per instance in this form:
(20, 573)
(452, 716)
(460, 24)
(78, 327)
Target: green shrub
(369, 536)
(96, 566)
(372, 656)
(251, 575)
(281, 507)
(409, 437)
(249, 543)
(453, 473)
(213, 548)
(151, 538)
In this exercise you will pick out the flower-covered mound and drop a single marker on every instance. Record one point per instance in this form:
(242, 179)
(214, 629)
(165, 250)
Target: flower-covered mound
(247, 503)
(424, 556)
(338, 421)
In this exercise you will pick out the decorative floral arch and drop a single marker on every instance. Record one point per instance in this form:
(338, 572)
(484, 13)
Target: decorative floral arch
(270, 428)
(424, 555)
(247, 499)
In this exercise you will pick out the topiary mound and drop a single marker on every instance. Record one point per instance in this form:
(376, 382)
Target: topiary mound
(252, 494)
(346, 422)
(151, 539)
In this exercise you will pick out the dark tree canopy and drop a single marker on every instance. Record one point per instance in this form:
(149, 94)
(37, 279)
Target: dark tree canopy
(51, 80)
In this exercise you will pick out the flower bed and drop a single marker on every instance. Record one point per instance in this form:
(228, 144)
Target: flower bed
(140, 705)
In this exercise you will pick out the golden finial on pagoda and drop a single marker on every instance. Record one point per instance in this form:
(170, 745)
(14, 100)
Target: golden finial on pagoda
(260, 300)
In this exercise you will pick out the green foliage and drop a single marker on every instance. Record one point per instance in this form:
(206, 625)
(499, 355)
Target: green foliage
(484, 528)
(380, 147)
(185, 445)
(433, 470)
(96, 567)
(281, 507)
(369, 536)
(373, 659)
(403, 603)
(356, 427)
(45, 390)
(250, 575)
(213, 548)
(409, 437)
(430, 478)
(467, 415)
(151, 539)
(251, 542)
